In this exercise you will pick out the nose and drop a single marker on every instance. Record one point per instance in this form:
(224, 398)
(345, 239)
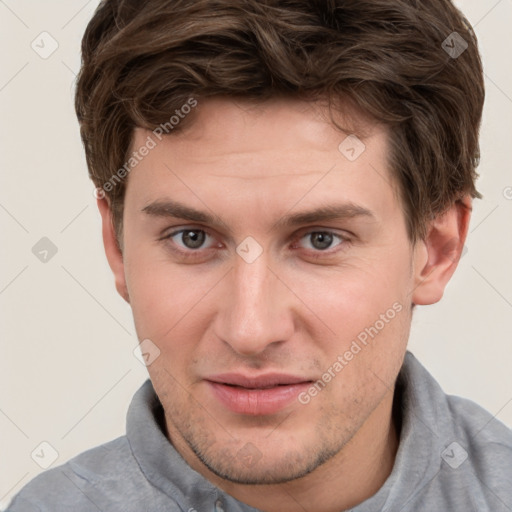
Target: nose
(256, 308)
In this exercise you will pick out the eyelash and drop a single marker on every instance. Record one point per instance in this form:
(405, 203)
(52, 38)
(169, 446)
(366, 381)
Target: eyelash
(315, 254)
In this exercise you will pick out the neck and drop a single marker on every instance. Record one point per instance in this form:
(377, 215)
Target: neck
(353, 475)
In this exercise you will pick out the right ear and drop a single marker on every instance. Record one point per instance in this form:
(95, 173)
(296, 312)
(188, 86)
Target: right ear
(112, 251)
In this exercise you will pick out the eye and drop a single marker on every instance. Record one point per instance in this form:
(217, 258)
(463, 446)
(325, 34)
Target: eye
(188, 238)
(322, 240)
(193, 242)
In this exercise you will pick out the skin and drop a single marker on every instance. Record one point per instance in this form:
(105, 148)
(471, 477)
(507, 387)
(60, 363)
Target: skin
(285, 312)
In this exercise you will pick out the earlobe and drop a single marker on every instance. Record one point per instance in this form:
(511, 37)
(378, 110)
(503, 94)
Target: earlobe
(437, 257)
(112, 251)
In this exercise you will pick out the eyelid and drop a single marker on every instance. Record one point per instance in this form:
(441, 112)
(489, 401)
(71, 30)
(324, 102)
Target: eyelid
(317, 229)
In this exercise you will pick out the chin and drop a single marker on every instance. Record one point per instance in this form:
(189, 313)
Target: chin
(259, 463)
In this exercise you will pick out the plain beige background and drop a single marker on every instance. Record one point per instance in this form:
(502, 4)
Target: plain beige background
(67, 366)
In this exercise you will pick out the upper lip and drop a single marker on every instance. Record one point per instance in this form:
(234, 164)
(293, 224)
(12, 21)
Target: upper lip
(268, 380)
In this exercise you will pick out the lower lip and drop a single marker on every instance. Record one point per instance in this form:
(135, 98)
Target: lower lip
(256, 401)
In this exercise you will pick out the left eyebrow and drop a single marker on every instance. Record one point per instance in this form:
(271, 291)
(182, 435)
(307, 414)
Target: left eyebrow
(325, 213)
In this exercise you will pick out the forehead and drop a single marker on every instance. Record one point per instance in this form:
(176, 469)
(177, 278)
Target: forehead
(221, 125)
(241, 156)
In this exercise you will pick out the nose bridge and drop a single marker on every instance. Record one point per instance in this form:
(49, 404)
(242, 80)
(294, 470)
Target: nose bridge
(251, 286)
(253, 315)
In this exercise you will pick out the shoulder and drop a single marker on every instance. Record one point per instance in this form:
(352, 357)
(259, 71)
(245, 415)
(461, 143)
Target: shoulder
(481, 450)
(468, 450)
(481, 432)
(455, 416)
(106, 477)
(470, 415)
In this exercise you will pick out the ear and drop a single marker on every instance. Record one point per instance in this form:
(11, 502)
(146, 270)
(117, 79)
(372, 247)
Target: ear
(437, 257)
(114, 254)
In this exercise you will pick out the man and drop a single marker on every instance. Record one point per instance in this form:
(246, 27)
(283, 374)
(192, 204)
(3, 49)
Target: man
(281, 184)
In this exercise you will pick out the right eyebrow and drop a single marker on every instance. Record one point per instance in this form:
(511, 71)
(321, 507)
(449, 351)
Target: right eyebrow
(168, 208)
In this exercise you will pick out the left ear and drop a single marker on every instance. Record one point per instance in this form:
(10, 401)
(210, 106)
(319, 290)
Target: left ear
(437, 257)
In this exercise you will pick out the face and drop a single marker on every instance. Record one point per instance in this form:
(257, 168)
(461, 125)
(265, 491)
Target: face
(282, 309)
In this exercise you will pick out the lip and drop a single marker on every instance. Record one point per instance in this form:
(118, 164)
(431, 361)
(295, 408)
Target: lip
(258, 395)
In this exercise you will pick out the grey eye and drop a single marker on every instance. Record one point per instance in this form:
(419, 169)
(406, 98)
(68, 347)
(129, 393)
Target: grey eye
(321, 240)
(192, 238)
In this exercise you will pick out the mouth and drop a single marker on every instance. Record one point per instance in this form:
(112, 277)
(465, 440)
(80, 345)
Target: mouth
(257, 388)
(261, 395)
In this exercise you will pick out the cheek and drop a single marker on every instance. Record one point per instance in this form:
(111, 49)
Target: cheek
(157, 294)
(171, 304)
(352, 297)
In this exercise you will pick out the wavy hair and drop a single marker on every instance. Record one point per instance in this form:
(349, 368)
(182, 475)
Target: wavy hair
(392, 59)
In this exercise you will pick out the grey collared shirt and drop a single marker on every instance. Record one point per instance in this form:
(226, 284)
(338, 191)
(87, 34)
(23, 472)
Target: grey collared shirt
(452, 456)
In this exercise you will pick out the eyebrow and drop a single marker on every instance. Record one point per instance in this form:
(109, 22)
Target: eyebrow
(174, 209)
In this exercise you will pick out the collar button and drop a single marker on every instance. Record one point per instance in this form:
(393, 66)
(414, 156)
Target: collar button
(218, 506)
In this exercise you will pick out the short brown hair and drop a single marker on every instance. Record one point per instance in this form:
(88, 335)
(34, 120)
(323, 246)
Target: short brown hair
(395, 60)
